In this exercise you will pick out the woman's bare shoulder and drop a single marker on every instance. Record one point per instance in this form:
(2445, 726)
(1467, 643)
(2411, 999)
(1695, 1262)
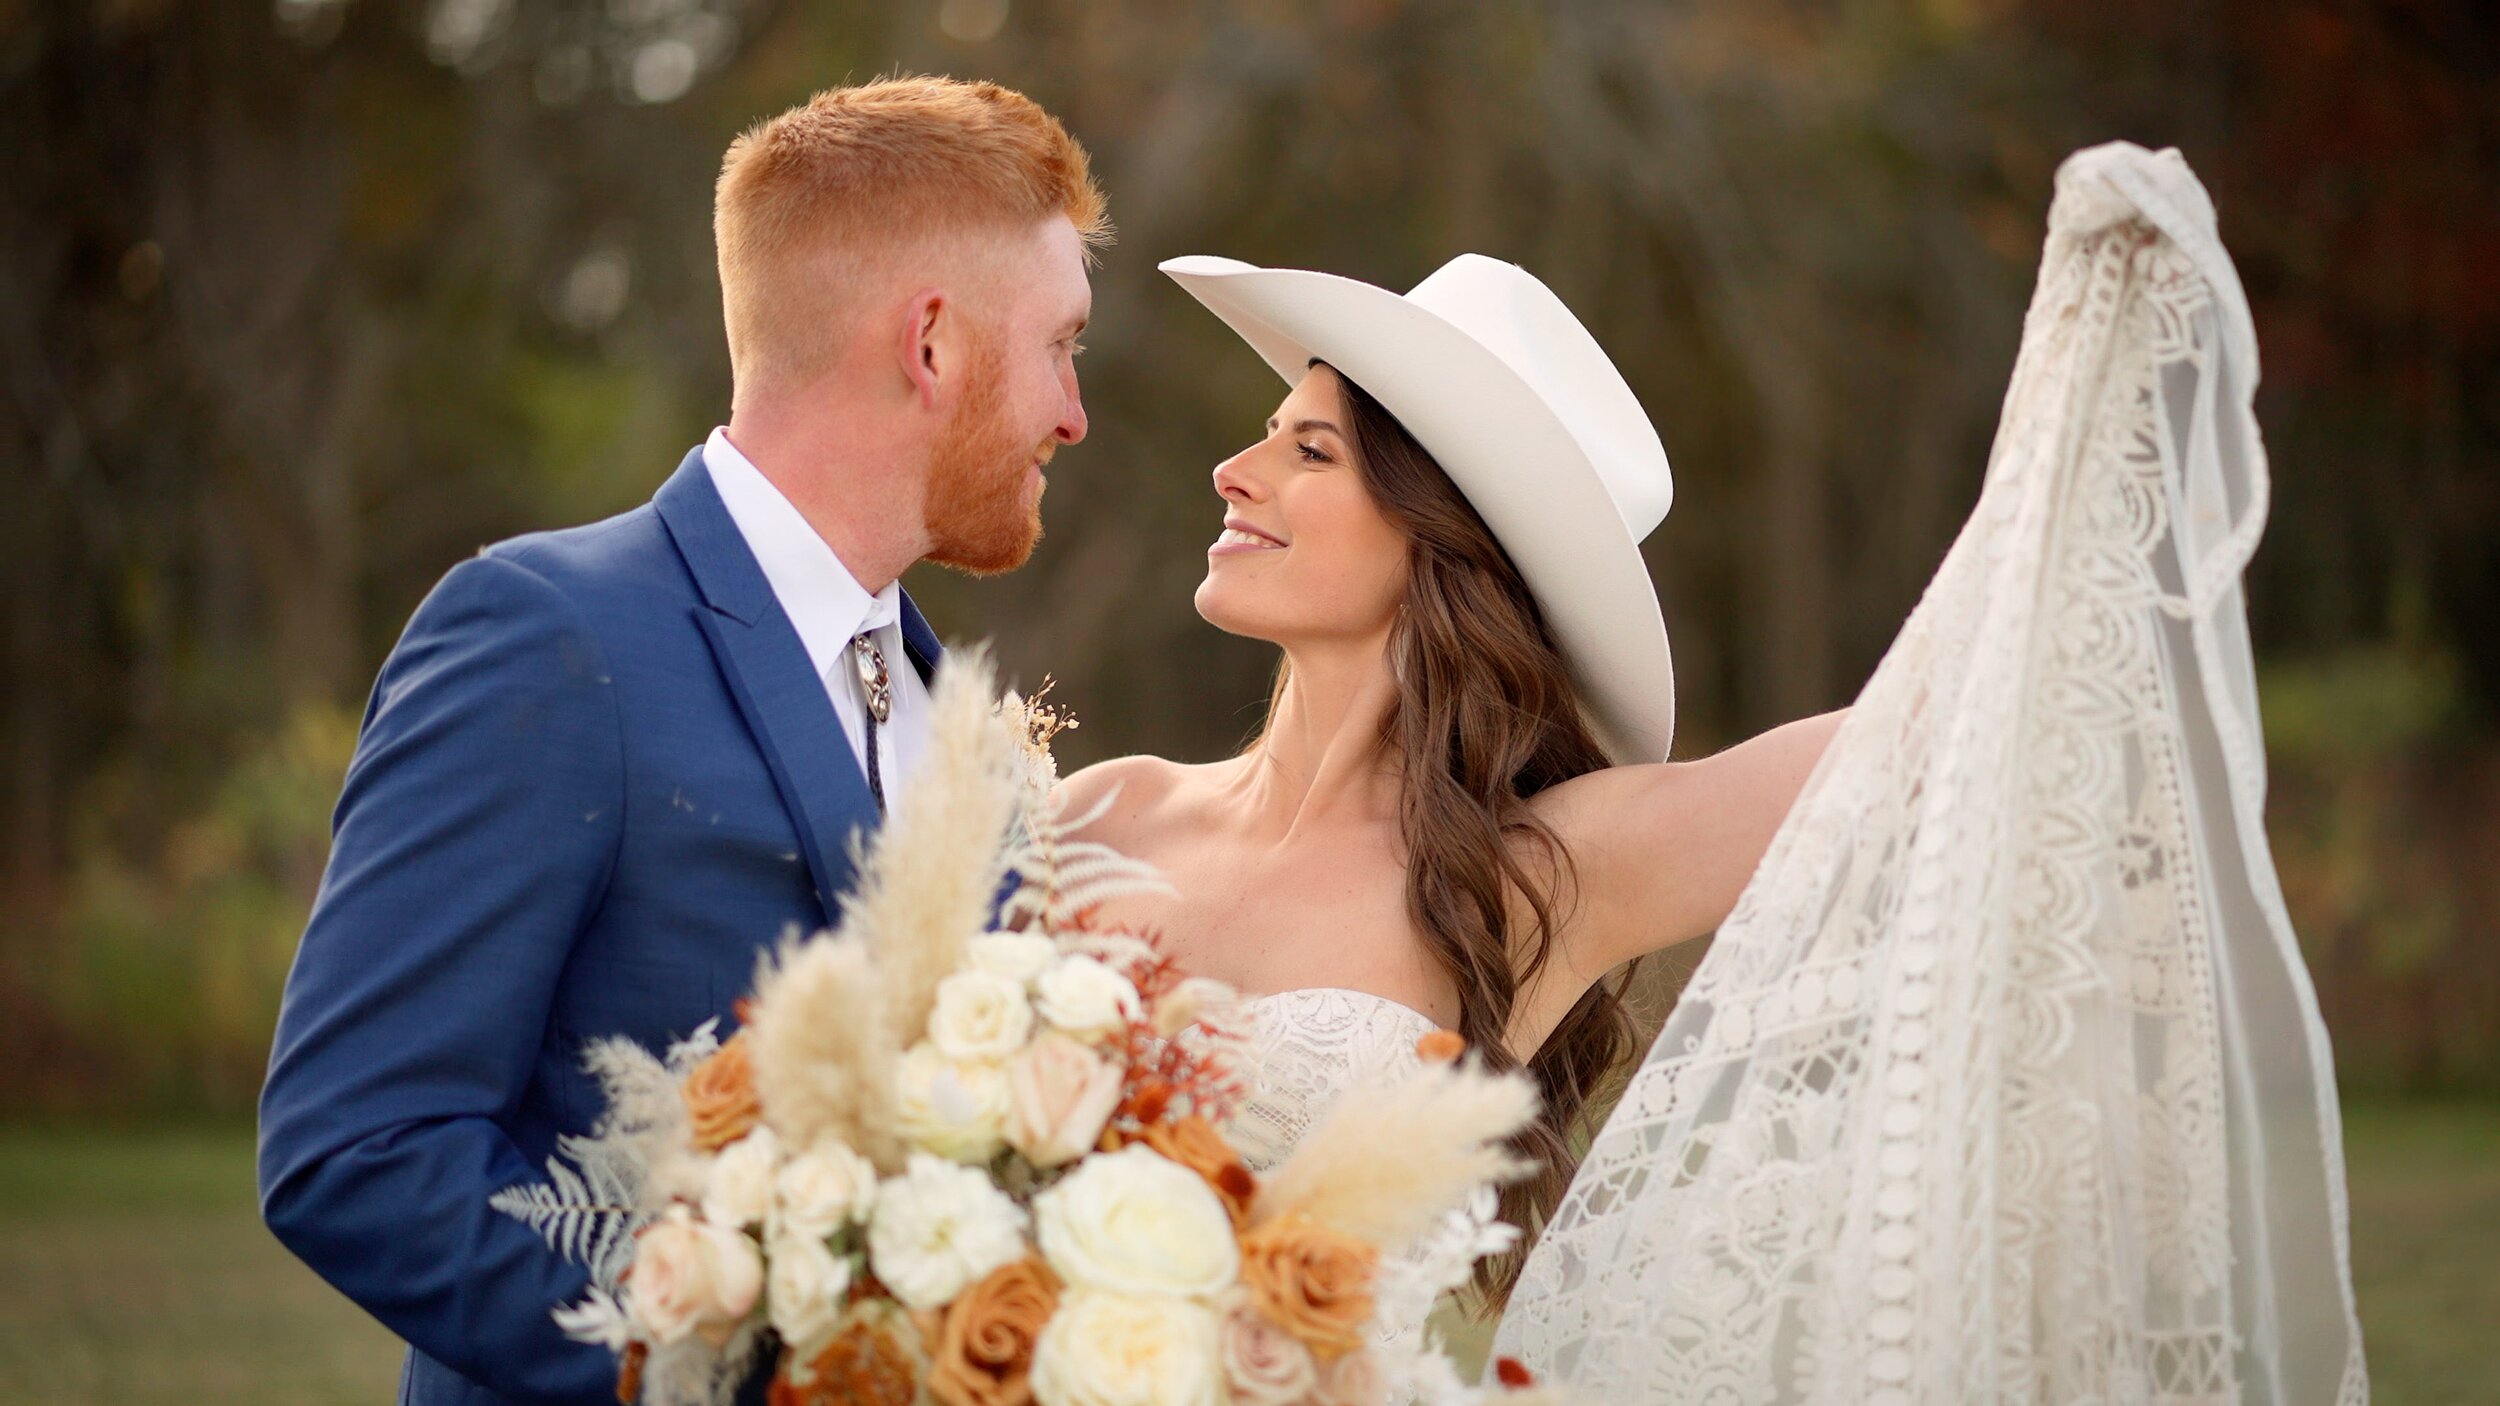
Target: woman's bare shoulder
(1129, 791)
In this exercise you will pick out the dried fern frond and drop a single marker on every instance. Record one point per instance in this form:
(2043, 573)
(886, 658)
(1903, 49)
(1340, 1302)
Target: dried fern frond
(1389, 1159)
(929, 880)
(825, 1050)
(629, 1166)
(588, 1219)
(1061, 879)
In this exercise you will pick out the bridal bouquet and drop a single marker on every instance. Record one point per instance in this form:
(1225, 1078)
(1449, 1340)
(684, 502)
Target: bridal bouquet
(983, 1166)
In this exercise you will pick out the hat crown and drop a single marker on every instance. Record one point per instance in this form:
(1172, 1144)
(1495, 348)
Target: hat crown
(1508, 312)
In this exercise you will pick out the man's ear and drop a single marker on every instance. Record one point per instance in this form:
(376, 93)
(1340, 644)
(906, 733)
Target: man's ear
(926, 344)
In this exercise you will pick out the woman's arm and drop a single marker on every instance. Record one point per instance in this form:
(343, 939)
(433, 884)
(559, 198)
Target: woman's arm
(1662, 851)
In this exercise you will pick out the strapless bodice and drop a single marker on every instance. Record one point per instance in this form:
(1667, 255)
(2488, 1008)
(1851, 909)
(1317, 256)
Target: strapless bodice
(1309, 1046)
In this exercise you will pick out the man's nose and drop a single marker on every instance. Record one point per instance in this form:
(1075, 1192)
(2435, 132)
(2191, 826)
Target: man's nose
(1072, 416)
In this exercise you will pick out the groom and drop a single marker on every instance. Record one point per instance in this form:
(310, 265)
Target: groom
(605, 766)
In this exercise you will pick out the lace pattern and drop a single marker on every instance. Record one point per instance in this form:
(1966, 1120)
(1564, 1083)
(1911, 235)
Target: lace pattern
(1974, 1098)
(1309, 1046)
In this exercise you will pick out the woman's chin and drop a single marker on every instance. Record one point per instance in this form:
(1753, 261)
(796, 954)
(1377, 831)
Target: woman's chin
(1224, 614)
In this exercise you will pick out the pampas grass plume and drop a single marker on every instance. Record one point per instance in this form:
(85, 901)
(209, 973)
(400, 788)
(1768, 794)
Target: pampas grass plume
(929, 881)
(1390, 1158)
(825, 1053)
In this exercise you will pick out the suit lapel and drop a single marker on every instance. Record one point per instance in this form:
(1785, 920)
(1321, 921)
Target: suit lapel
(920, 642)
(772, 679)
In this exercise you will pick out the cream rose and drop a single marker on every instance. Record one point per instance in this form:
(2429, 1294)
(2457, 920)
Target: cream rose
(1133, 1223)
(1105, 1349)
(690, 1276)
(1059, 1094)
(1353, 1380)
(1265, 1365)
(954, 1108)
(738, 1189)
(821, 1190)
(980, 1015)
(1019, 956)
(1084, 998)
(939, 1227)
(804, 1291)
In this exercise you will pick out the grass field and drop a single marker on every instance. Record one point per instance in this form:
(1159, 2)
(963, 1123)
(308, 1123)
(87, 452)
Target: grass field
(133, 1269)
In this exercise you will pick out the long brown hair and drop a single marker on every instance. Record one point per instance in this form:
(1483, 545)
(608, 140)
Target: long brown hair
(1485, 717)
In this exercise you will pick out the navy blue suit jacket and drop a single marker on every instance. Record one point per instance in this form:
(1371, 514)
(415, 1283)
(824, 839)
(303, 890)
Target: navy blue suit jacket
(597, 775)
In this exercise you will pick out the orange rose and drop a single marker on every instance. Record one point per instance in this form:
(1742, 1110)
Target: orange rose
(863, 1366)
(984, 1351)
(1194, 1143)
(1441, 1047)
(1311, 1281)
(720, 1096)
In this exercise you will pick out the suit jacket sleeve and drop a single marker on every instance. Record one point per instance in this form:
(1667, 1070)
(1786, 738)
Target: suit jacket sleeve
(473, 840)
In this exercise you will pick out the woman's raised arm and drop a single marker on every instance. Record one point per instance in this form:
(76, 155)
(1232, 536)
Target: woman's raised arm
(1662, 851)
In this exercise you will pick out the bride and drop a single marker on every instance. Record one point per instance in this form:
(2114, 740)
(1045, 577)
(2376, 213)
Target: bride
(1456, 815)
(2003, 1079)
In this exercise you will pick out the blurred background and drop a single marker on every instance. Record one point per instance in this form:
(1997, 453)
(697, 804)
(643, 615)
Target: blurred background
(303, 301)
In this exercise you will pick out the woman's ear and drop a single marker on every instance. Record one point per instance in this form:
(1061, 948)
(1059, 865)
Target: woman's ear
(924, 347)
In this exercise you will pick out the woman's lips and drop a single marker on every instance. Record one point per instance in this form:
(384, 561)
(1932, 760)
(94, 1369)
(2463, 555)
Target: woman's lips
(1233, 541)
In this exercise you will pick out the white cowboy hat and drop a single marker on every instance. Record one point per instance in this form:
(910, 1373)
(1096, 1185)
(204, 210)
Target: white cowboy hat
(1511, 395)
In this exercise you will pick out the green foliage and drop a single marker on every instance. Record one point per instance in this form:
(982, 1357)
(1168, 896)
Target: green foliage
(174, 967)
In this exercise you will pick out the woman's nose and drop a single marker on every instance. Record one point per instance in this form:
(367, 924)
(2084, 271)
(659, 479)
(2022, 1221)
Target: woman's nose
(1234, 481)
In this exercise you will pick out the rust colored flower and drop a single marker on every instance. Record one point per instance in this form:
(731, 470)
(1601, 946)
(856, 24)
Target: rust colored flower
(1194, 1143)
(629, 1375)
(984, 1354)
(1311, 1281)
(1513, 1373)
(1150, 1101)
(1440, 1047)
(862, 1366)
(720, 1095)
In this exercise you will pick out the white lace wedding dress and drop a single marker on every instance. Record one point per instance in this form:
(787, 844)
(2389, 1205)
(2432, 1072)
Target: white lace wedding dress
(1309, 1046)
(2005, 1082)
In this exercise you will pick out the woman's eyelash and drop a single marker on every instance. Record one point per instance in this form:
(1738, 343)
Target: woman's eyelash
(1311, 451)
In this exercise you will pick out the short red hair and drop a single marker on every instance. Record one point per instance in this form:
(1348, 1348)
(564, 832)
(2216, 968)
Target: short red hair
(809, 201)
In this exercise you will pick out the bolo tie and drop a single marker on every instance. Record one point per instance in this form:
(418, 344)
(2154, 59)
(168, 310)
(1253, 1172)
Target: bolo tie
(878, 685)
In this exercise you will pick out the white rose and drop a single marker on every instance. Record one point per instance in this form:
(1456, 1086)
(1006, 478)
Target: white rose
(1060, 1093)
(1104, 1349)
(822, 1189)
(938, 1228)
(804, 1290)
(1084, 998)
(980, 1015)
(690, 1276)
(1019, 956)
(738, 1190)
(954, 1108)
(1133, 1223)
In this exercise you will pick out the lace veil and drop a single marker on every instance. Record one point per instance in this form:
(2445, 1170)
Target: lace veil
(2005, 1081)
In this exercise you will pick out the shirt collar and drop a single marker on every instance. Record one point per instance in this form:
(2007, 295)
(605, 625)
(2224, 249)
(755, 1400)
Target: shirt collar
(825, 602)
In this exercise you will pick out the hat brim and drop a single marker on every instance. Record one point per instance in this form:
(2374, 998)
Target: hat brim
(1507, 450)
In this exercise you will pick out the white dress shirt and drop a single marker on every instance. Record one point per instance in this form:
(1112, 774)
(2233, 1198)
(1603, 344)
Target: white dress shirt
(828, 606)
